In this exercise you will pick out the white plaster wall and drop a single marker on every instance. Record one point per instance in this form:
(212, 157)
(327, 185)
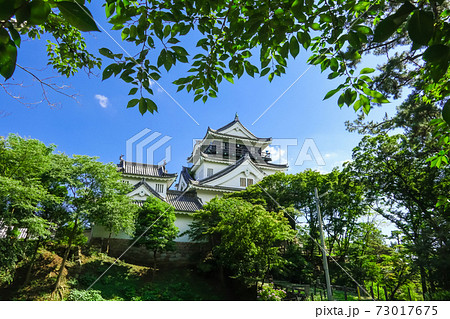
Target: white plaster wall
(182, 221)
(99, 231)
(217, 167)
(199, 172)
(206, 196)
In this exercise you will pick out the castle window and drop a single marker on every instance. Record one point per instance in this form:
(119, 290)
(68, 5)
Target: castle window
(226, 149)
(246, 182)
(209, 172)
(160, 188)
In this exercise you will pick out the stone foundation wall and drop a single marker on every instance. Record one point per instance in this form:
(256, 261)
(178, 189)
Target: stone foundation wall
(184, 253)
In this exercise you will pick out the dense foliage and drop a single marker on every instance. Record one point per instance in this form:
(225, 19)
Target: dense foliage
(52, 196)
(244, 239)
(155, 227)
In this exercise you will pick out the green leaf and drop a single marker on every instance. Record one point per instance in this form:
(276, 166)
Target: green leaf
(297, 10)
(151, 106)
(4, 36)
(294, 47)
(109, 70)
(341, 100)
(133, 91)
(384, 29)
(229, 77)
(357, 105)
(363, 29)
(179, 50)
(446, 112)
(264, 71)
(315, 26)
(8, 58)
(249, 68)
(106, 52)
(15, 36)
(162, 58)
(367, 71)
(109, 9)
(421, 27)
(77, 15)
(142, 106)
(349, 96)
(132, 103)
(304, 39)
(436, 52)
(39, 11)
(326, 18)
(334, 64)
(173, 41)
(333, 75)
(331, 93)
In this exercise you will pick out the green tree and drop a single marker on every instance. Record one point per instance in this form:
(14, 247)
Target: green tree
(89, 186)
(117, 214)
(341, 208)
(23, 163)
(244, 238)
(156, 224)
(403, 188)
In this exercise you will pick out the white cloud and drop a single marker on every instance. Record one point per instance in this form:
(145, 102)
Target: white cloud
(278, 154)
(102, 100)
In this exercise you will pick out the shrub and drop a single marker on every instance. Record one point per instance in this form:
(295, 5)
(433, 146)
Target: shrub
(268, 293)
(84, 295)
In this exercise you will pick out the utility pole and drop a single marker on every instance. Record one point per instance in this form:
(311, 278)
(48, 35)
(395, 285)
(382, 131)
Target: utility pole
(322, 242)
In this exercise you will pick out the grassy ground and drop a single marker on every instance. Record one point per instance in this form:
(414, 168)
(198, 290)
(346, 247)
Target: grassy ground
(122, 282)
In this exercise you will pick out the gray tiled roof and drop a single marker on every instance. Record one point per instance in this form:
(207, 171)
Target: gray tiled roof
(187, 202)
(144, 169)
(3, 231)
(183, 202)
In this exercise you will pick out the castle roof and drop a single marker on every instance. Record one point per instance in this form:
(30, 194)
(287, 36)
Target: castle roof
(147, 170)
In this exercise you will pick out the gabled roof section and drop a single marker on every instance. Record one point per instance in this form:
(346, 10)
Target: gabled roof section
(236, 126)
(183, 201)
(185, 174)
(149, 188)
(141, 169)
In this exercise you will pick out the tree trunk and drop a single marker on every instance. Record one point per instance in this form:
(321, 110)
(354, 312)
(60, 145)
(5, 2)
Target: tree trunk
(33, 259)
(107, 244)
(424, 282)
(221, 276)
(154, 265)
(66, 254)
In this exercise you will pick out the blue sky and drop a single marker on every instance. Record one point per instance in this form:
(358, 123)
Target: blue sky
(98, 123)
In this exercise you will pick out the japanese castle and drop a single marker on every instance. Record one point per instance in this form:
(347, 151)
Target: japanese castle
(226, 160)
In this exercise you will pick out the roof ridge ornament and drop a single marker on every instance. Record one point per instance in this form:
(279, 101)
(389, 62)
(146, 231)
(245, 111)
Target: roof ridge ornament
(236, 117)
